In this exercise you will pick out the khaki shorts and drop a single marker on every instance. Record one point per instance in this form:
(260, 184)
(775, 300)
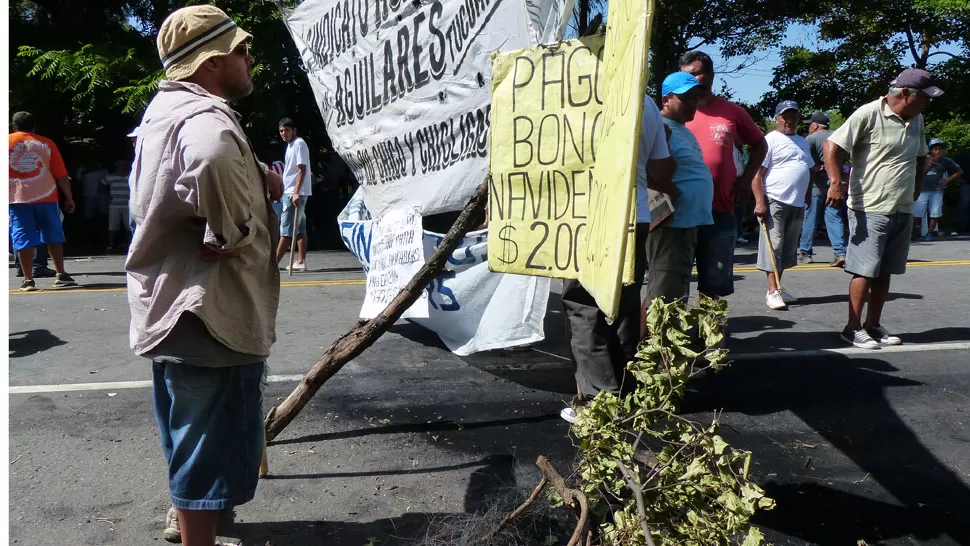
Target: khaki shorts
(784, 223)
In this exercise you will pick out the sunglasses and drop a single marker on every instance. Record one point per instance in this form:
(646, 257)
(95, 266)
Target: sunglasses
(242, 49)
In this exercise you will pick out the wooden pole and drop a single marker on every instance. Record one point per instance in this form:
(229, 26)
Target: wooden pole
(362, 336)
(296, 229)
(771, 253)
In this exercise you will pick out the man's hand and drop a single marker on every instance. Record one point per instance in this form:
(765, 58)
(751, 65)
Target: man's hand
(209, 255)
(835, 195)
(275, 183)
(69, 205)
(295, 198)
(761, 209)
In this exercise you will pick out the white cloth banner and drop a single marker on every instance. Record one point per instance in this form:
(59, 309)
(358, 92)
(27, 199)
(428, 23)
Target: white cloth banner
(404, 87)
(397, 254)
(470, 308)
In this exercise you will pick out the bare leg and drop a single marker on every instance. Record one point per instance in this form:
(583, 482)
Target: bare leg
(282, 247)
(772, 285)
(198, 526)
(933, 222)
(878, 292)
(301, 244)
(27, 263)
(858, 287)
(56, 250)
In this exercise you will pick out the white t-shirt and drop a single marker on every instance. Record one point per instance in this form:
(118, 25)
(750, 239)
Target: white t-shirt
(789, 161)
(297, 153)
(653, 145)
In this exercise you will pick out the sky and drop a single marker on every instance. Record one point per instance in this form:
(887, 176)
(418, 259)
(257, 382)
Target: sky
(753, 81)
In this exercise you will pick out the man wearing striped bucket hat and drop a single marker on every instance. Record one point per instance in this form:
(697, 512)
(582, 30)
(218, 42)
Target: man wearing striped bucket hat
(203, 284)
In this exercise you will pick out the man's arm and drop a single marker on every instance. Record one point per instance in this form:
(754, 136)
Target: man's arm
(834, 159)
(300, 175)
(213, 180)
(660, 176)
(758, 189)
(64, 183)
(920, 172)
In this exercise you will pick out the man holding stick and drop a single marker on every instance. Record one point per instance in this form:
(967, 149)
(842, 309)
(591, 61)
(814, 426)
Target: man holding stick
(781, 190)
(203, 286)
(297, 187)
(886, 142)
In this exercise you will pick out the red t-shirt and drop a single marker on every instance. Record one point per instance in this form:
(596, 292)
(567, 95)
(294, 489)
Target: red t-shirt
(35, 166)
(717, 126)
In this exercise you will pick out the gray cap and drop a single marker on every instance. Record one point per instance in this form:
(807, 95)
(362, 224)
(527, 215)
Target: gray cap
(820, 118)
(914, 78)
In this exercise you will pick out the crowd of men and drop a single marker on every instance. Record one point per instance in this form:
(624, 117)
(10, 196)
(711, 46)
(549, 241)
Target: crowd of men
(203, 264)
(689, 150)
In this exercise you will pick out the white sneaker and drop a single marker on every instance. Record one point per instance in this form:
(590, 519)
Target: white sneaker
(775, 301)
(788, 298)
(299, 267)
(883, 337)
(568, 415)
(859, 338)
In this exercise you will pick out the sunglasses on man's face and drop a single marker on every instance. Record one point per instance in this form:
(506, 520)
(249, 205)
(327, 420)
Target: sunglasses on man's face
(242, 49)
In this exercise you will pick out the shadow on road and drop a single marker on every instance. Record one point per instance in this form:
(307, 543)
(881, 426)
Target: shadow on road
(843, 400)
(433, 426)
(30, 342)
(844, 298)
(775, 338)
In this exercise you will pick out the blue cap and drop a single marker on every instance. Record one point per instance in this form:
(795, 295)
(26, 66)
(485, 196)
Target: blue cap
(937, 142)
(784, 106)
(678, 83)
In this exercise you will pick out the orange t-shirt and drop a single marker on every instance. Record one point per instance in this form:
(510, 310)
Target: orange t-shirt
(35, 166)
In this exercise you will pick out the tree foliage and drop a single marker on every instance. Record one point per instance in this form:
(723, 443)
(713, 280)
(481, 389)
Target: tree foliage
(646, 469)
(864, 44)
(82, 87)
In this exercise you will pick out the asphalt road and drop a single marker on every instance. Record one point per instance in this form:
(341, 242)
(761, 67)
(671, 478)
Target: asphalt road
(853, 445)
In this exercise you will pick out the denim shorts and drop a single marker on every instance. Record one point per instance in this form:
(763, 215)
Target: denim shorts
(289, 212)
(715, 255)
(878, 243)
(35, 224)
(210, 421)
(929, 201)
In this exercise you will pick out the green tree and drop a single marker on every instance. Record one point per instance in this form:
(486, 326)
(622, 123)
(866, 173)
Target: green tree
(866, 43)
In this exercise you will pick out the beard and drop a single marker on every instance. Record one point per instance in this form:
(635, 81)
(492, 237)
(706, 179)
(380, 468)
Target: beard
(239, 90)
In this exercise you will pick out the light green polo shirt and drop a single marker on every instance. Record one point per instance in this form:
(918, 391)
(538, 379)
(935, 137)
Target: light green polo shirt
(883, 148)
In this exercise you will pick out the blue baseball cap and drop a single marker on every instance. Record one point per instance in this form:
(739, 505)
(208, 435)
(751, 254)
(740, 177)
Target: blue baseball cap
(678, 83)
(785, 106)
(937, 142)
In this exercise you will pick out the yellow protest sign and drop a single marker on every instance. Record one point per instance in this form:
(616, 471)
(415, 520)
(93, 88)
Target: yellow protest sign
(601, 268)
(547, 103)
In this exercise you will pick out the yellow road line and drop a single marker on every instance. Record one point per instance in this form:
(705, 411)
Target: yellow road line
(284, 284)
(827, 267)
(359, 282)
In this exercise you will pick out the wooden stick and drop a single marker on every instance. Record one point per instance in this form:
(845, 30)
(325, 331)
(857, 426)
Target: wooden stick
(296, 227)
(362, 336)
(771, 253)
(573, 497)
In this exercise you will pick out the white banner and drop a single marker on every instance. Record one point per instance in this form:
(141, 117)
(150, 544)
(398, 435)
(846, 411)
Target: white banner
(404, 87)
(470, 308)
(397, 254)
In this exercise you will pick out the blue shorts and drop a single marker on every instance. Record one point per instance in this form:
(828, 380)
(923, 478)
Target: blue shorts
(715, 255)
(929, 201)
(289, 211)
(210, 421)
(35, 224)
